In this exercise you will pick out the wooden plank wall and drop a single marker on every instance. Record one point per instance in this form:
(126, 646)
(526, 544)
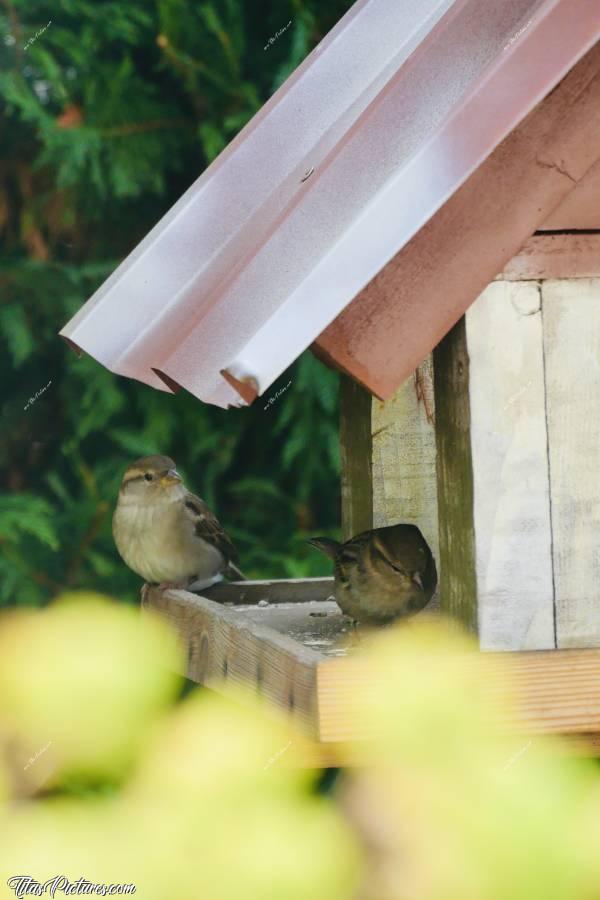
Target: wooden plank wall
(403, 440)
(388, 459)
(571, 312)
(532, 354)
(517, 391)
(511, 492)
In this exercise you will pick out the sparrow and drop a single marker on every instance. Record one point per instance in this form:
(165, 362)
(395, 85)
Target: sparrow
(383, 574)
(167, 535)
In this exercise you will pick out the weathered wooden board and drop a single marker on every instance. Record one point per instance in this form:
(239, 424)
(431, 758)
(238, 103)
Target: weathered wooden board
(517, 441)
(558, 692)
(458, 586)
(355, 458)
(388, 458)
(571, 316)
(511, 492)
(221, 644)
(318, 625)
(581, 207)
(403, 437)
(555, 256)
(289, 590)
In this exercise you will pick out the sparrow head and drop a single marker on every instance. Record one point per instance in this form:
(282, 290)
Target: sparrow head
(150, 479)
(403, 549)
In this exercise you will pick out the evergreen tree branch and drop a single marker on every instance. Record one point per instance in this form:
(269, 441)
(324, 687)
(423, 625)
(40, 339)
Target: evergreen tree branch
(16, 27)
(86, 541)
(140, 127)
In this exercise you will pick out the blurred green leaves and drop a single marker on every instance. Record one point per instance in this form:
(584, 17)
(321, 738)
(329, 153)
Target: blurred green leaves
(106, 778)
(105, 774)
(92, 697)
(106, 118)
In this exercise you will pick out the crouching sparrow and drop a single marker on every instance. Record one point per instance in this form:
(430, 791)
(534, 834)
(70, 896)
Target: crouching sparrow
(383, 574)
(167, 535)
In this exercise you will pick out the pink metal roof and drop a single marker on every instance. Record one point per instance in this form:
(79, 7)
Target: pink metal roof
(378, 127)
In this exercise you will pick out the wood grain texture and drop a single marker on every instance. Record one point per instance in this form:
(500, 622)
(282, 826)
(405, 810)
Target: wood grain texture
(547, 256)
(221, 646)
(580, 208)
(458, 585)
(421, 293)
(404, 479)
(557, 692)
(356, 454)
(511, 493)
(571, 316)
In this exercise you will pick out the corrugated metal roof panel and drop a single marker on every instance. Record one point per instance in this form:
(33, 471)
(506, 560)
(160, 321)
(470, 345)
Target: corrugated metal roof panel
(382, 122)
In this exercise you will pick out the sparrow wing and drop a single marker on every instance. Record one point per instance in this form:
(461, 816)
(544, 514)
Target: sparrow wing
(404, 545)
(208, 528)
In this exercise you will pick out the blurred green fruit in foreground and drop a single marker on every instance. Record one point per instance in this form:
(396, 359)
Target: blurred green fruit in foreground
(212, 798)
(81, 682)
(198, 804)
(452, 805)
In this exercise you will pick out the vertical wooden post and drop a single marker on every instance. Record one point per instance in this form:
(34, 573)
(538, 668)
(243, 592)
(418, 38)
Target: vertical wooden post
(493, 483)
(571, 320)
(404, 478)
(458, 584)
(388, 457)
(356, 458)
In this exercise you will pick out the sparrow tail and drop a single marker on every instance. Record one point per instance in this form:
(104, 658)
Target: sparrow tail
(326, 545)
(233, 573)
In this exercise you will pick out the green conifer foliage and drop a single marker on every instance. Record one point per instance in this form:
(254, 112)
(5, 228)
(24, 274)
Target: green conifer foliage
(108, 112)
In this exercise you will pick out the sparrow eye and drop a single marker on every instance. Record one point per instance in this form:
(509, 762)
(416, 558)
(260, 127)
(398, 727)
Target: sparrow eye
(148, 476)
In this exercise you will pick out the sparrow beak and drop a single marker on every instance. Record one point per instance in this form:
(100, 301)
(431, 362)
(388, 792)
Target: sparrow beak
(171, 477)
(418, 580)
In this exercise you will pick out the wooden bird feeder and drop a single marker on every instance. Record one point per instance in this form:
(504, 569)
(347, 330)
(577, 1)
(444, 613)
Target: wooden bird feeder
(448, 141)
(491, 446)
(289, 641)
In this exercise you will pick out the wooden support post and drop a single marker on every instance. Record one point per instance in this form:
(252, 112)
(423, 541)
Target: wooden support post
(388, 457)
(403, 434)
(571, 318)
(493, 471)
(356, 458)
(458, 590)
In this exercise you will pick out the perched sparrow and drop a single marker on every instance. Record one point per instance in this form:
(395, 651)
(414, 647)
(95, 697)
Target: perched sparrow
(383, 574)
(164, 533)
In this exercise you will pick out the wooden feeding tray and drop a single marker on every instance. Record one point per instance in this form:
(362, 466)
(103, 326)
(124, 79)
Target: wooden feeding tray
(273, 635)
(289, 641)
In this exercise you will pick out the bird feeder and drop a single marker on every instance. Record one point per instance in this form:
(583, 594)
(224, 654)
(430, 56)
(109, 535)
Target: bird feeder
(418, 203)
